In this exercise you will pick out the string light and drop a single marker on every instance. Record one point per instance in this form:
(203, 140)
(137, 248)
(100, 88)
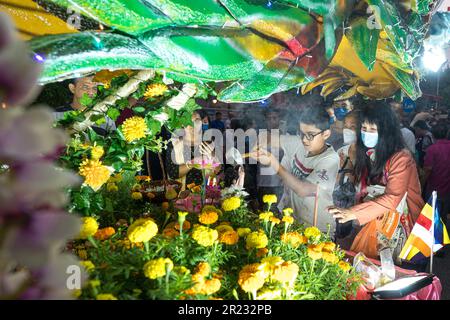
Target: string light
(101, 27)
(214, 101)
(269, 4)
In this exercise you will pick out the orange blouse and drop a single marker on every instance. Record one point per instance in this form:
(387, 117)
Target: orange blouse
(402, 177)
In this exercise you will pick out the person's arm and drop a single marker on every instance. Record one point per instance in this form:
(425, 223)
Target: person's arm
(301, 188)
(400, 172)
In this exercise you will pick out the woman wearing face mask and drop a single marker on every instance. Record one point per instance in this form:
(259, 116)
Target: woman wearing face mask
(385, 171)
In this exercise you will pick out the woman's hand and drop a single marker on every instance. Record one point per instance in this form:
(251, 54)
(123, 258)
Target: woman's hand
(207, 150)
(343, 215)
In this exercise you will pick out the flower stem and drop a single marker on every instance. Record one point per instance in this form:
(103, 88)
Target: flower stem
(147, 248)
(94, 243)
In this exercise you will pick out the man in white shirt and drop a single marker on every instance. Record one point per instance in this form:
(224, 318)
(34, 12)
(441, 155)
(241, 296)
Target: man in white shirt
(309, 165)
(408, 135)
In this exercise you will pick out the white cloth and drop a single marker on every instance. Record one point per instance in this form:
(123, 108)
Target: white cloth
(321, 170)
(109, 125)
(410, 139)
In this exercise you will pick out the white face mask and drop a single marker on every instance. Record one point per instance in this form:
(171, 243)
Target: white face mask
(349, 136)
(370, 139)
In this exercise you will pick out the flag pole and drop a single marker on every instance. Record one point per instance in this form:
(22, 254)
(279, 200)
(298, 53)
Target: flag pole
(432, 229)
(316, 206)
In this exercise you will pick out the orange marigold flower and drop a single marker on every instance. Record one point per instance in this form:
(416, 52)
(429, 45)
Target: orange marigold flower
(151, 195)
(170, 233)
(261, 252)
(186, 225)
(105, 233)
(229, 237)
(211, 286)
(330, 257)
(329, 246)
(288, 219)
(274, 220)
(315, 252)
(203, 269)
(208, 217)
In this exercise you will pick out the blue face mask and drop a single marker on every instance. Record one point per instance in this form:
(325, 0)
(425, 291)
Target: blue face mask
(205, 127)
(340, 113)
(332, 120)
(370, 139)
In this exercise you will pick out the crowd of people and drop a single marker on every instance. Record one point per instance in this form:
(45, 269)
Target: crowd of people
(340, 165)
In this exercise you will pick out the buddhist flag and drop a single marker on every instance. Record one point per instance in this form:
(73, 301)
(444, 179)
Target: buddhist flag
(418, 245)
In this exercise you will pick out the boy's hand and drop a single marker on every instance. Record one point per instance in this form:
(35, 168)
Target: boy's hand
(265, 158)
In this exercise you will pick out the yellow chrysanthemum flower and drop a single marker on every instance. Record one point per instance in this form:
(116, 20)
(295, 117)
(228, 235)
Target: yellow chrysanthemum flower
(208, 217)
(288, 211)
(136, 195)
(288, 219)
(142, 230)
(134, 128)
(157, 268)
(95, 173)
(312, 232)
(285, 272)
(88, 265)
(294, 238)
(344, 266)
(315, 252)
(330, 257)
(105, 296)
(88, 228)
(242, 232)
(229, 237)
(205, 236)
(270, 198)
(155, 90)
(257, 240)
(252, 277)
(265, 216)
(329, 246)
(203, 268)
(231, 204)
(97, 152)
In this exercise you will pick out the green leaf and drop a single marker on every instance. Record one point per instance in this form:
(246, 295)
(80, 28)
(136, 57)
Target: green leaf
(92, 135)
(139, 109)
(113, 113)
(85, 100)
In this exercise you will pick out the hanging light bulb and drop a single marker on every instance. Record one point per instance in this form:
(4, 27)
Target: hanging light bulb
(433, 58)
(38, 58)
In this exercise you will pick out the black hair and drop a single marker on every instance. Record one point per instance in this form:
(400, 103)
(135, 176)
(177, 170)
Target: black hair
(440, 131)
(271, 110)
(218, 112)
(390, 139)
(421, 124)
(317, 116)
(202, 113)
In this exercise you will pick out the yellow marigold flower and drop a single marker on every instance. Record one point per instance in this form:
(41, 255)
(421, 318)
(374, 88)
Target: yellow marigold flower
(329, 246)
(112, 187)
(270, 198)
(155, 90)
(82, 254)
(344, 265)
(95, 173)
(204, 236)
(312, 232)
(274, 220)
(231, 204)
(229, 237)
(208, 217)
(288, 211)
(288, 219)
(330, 257)
(211, 286)
(315, 252)
(142, 230)
(186, 225)
(242, 232)
(97, 152)
(265, 215)
(94, 283)
(157, 268)
(181, 270)
(105, 233)
(88, 228)
(88, 265)
(136, 195)
(261, 252)
(252, 277)
(294, 238)
(257, 240)
(270, 263)
(224, 228)
(116, 178)
(203, 268)
(267, 294)
(134, 128)
(105, 296)
(285, 272)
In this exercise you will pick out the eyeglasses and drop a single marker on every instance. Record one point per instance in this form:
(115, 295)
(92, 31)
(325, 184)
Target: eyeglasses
(309, 136)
